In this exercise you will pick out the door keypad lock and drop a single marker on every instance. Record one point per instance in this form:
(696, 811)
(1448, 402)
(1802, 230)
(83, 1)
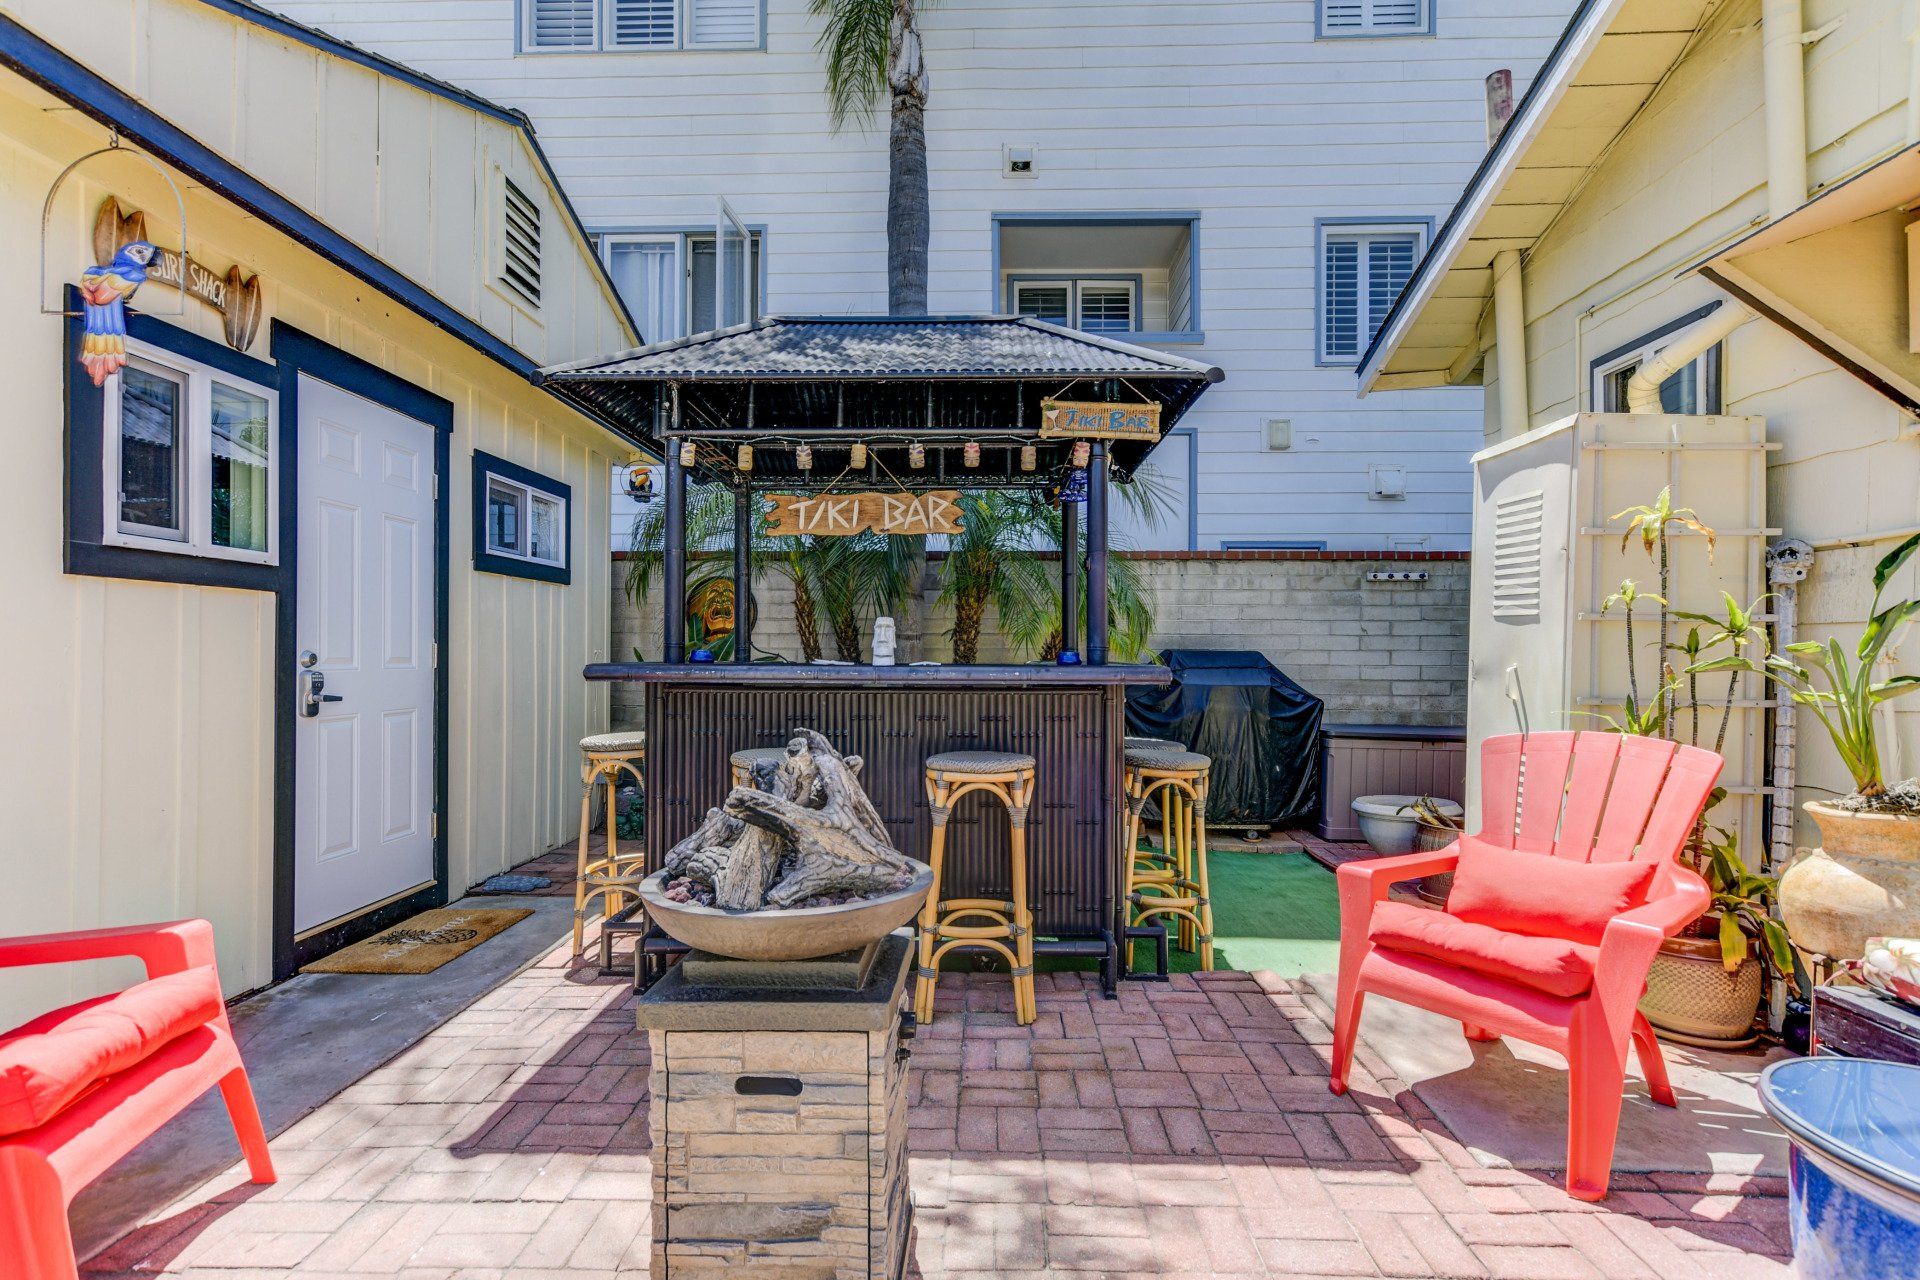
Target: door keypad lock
(312, 693)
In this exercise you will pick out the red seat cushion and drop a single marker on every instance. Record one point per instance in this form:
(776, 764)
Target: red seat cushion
(48, 1062)
(1553, 965)
(1545, 896)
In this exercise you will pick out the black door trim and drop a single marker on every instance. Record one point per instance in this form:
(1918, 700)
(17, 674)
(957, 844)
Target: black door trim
(297, 352)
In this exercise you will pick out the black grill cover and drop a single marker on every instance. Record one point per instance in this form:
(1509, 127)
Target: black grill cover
(1260, 729)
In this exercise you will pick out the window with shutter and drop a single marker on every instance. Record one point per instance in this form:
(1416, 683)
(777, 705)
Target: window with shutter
(1363, 268)
(1376, 17)
(1096, 306)
(1049, 302)
(560, 24)
(640, 24)
(723, 24)
(519, 241)
(1106, 308)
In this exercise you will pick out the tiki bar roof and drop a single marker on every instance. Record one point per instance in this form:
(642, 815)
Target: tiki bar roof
(886, 382)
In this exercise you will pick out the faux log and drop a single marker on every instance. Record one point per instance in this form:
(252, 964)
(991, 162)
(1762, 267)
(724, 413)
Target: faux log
(802, 829)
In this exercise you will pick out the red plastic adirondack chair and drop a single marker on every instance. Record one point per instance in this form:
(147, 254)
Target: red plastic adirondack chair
(1586, 797)
(81, 1086)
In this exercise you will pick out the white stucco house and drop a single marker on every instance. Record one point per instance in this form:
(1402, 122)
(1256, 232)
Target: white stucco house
(1247, 182)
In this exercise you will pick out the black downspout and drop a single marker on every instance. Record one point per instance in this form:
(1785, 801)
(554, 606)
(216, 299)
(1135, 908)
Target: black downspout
(673, 643)
(1069, 577)
(1097, 470)
(743, 573)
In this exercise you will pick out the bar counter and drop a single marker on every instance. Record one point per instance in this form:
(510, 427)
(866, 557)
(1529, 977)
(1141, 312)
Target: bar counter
(1069, 719)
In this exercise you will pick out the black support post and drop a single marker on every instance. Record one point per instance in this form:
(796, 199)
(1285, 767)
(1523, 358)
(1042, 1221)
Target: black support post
(743, 574)
(1069, 576)
(673, 646)
(1097, 472)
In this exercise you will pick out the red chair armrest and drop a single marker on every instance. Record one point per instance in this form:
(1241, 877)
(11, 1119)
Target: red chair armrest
(1627, 947)
(1363, 883)
(164, 948)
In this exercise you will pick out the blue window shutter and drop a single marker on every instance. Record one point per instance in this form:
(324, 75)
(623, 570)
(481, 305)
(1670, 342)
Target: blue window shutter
(560, 24)
(1107, 308)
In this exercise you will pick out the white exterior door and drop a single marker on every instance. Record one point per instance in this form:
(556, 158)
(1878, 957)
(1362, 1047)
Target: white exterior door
(363, 634)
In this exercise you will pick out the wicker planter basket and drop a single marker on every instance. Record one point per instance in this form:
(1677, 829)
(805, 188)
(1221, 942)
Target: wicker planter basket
(1692, 999)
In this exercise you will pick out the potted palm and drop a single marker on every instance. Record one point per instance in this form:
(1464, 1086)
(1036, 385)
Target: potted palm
(1864, 880)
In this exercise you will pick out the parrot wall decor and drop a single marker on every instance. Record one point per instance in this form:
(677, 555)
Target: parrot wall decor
(104, 290)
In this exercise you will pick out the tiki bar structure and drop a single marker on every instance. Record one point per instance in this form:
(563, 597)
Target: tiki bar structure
(835, 425)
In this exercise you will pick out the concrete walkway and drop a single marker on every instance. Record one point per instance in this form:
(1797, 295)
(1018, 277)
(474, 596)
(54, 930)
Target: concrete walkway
(1182, 1130)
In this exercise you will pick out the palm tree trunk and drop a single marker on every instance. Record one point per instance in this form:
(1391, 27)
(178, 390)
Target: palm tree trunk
(846, 632)
(908, 216)
(805, 618)
(969, 611)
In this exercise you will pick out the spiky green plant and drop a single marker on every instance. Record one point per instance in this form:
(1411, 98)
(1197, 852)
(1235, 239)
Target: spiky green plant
(1735, 628)
(1653, 523)
(1845, 706)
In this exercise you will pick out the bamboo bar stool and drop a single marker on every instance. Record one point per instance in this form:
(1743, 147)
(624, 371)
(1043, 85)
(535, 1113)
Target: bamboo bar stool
(742, 762)
(1153, 861)
(1171, 883)
(1005, 927)
(604, 757)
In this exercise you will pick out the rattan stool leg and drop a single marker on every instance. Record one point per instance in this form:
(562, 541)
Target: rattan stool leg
(1184, 816)
(580, 863)
(928, 976)
(1025, 1005)
(1204, 908)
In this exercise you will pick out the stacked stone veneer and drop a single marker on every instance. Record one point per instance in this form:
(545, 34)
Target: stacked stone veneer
(750, 1183)
(1376, 652)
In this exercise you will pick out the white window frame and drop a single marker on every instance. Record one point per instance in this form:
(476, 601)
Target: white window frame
(195, 463)
(603, 24)
(682, 242)
(1359, 230)
(1369, 27)
(1073, 286)
(529, 495)
(1706, 367)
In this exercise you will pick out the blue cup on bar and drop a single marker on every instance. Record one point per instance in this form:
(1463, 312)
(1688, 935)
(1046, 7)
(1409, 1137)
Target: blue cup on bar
(1853, 1175)
(1068, 658)
(701, 655)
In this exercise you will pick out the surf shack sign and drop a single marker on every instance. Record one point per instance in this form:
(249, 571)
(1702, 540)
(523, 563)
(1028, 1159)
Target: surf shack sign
(841, 515)
(1098, 420)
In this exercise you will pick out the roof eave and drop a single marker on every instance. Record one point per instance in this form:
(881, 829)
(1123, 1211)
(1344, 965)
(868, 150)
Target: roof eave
(1576, 43)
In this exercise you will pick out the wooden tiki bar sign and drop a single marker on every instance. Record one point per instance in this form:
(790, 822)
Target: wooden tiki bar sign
(1098, 420)
(841, 515)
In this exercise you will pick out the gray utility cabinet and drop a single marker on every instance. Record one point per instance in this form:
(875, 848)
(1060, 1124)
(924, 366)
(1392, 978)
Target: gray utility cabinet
(1386, 759)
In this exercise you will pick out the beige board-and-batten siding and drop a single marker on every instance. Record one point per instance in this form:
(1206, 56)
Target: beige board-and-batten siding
(1376, 652)
(136, 774)
(1687, 175)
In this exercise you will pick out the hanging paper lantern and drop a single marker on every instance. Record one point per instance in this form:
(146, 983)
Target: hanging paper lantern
(1082, 451)
(971, 454)
(686, 453)
(744, 458)
(803, 457)
(859, 459)
(1029, 457)
(916, 456)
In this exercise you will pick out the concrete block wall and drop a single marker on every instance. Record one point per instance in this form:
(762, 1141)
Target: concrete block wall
(1376, 652)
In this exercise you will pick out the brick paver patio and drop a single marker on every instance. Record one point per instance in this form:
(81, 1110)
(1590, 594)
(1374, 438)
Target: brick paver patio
(1181, 1131)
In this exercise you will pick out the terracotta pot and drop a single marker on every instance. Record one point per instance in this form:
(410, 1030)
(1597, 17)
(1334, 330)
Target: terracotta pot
(1863, 882)
(1692, 997)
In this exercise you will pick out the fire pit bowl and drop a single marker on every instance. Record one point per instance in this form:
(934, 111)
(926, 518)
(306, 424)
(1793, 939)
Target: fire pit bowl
(801, 933)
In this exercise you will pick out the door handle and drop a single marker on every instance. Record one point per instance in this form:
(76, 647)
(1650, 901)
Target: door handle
(312, 686)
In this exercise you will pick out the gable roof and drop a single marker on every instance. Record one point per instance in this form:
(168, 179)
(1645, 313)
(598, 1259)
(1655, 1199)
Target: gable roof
(1606, 66)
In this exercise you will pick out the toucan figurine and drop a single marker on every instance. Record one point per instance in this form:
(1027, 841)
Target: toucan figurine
(105, 290)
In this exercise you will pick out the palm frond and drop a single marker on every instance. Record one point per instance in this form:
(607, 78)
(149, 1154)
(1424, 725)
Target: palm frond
(854, 46)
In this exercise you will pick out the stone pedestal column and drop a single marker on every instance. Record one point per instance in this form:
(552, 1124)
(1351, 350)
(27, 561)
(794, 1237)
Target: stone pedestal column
(779, 1118)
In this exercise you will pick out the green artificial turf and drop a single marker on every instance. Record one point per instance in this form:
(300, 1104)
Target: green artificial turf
(1277, 911)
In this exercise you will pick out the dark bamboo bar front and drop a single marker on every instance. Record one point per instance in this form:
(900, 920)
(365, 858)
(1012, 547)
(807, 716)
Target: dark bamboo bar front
(839, 405)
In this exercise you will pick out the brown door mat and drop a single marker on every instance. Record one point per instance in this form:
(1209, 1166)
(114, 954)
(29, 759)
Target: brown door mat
(422, 944)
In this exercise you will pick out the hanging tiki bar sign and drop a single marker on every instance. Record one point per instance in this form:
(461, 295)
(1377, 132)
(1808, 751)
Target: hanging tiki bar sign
(1098, 420)
(235, 296)
(841, 515)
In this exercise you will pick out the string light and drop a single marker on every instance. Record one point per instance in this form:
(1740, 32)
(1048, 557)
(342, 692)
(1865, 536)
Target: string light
(686, 453)
(859, 459)
(916, 455)
(744, 458)
(1082, 452)
(803, 457)
(971, 454)
(1029, 457)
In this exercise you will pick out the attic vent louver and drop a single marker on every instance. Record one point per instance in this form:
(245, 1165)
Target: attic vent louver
(1373, 17)
(520, 242)
(1518, 523)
